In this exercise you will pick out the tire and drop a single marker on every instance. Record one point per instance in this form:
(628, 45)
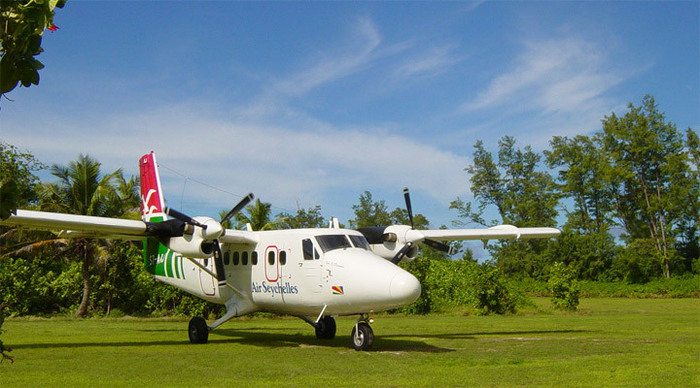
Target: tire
(363, 339)
(198, 331)
(326, 328)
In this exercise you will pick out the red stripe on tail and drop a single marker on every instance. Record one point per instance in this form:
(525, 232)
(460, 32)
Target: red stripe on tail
(152, 203)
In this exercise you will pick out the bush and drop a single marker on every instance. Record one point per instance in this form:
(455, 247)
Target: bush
(564, 287)
(3, 350)
(639, 262)
(492, 292)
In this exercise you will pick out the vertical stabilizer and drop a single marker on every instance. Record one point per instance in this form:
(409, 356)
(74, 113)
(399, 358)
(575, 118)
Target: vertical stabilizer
(152, 210)
(152, 203)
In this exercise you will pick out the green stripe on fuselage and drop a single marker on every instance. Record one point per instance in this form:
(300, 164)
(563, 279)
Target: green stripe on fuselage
(177, 266)
(168, 268)
(160, 260)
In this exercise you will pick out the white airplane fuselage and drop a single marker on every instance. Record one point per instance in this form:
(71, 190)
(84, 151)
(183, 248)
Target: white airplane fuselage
(304, 272)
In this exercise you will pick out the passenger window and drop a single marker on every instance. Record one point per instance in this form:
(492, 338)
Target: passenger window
(236, 258)
(227, 258)
(206, 262)
(244, 258)
(283, 257)
(254, 258)
(271, 258)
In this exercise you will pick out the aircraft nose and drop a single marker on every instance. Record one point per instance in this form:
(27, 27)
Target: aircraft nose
(404, 288)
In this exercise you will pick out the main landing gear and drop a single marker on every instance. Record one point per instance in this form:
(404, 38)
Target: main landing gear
(325, 328)
(198, 331)
(361, 337)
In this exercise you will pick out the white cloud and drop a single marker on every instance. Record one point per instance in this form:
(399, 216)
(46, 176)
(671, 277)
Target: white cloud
(351, 57)
(564, 74)
(430, 62)
(558, 86)
(280, 163)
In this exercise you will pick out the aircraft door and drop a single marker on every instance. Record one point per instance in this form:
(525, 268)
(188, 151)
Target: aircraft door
(271, 263)
(312, 267)
(207, 282)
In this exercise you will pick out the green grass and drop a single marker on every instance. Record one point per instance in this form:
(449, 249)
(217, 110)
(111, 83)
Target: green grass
(609, 342)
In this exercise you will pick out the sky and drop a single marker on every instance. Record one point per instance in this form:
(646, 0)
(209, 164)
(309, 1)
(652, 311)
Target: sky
(312, 103)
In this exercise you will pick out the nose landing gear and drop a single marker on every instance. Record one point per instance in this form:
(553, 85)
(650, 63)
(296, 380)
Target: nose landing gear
(362, 335)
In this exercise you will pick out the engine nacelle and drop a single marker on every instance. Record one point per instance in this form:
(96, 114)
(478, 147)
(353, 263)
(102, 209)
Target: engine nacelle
(191, 246)
(386, 243)
(198, 244)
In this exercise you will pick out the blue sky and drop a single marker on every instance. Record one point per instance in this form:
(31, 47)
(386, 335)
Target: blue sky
(313, 103)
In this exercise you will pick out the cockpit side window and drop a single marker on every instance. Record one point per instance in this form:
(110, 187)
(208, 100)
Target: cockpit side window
(359, 242)
(333, 241)
(308, 248)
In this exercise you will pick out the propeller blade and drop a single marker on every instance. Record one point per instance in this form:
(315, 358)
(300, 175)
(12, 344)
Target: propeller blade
(440, 246)
(219, 264)
(407, 198)
(183, 217)
(239, 206)
(401, 253)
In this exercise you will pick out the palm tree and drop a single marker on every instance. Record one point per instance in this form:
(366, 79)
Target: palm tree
(82, 190)
(257, 215)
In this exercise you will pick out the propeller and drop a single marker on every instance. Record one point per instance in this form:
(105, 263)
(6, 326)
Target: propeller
(182, 223)
(407, 198)
(218, 262)
(402, 252)
(239, 206)
(440, 246)
(184, 218)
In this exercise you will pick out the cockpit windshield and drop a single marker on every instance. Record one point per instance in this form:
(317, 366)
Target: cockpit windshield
(359, 242)
(339, 241)
(332, 241)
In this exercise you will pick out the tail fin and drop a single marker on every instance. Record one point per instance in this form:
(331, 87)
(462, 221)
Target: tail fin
(152, 210)
(152, 203)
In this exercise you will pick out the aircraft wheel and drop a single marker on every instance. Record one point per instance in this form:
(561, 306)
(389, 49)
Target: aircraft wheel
(362, 336)
(325, 328)
(198, 331)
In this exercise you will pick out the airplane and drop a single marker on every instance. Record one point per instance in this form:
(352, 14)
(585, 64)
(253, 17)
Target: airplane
(315, 274)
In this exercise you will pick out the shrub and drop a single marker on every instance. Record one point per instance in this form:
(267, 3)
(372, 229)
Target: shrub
(564, 287)
(638, 262)
(3, 350)
(492, 292)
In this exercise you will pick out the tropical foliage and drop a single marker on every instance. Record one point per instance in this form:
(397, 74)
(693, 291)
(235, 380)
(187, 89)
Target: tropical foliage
(626, 198)
(22, 25)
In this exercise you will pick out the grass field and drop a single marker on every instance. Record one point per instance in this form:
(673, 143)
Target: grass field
(620, 342)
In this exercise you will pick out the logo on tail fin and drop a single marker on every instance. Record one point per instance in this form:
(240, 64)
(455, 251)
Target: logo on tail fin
(152, 203)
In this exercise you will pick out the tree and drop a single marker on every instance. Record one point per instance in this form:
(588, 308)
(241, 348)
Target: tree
(583, 175)
(17, 180)
(257, 215)
(523, 195)
(370, 213)
(687, 243)
(82, 189)
(585, 245)
(304, 218)
(22, 24)
(655, 188)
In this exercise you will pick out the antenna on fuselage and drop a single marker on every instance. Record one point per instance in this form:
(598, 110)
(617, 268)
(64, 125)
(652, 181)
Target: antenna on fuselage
(334, 223)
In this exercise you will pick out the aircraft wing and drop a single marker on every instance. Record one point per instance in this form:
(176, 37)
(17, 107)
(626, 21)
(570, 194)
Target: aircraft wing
(233, 236)
(73, 225)
(496, 232)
